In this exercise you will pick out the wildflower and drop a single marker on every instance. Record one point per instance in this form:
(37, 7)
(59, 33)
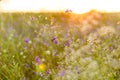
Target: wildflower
(45, 43)
(61, 73)
(54, 40)
(67, 43)
(26, 40)
(37, 59)
(48, 72)
(40, 67)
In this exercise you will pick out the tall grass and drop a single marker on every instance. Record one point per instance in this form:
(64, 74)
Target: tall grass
(52, 46)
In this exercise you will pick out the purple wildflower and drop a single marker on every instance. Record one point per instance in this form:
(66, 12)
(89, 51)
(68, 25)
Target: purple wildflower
(37, 59)
(54, 40)
(27, 65)
(48, 72)
(61, 73)
(45, 43)
(26, 40)
(67, 43)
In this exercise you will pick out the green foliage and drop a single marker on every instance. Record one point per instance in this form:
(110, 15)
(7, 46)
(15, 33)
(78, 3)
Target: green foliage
(66, 51)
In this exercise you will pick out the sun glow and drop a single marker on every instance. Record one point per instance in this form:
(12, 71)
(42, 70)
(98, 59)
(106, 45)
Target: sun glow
(77, 6)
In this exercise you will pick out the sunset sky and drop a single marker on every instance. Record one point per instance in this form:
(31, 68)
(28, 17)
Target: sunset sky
(77, 6)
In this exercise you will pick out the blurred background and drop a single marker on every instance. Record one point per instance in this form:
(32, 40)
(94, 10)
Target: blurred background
(59, 40)
(77, 6)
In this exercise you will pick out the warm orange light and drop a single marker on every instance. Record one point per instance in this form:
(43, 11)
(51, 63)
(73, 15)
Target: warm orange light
(77, 6)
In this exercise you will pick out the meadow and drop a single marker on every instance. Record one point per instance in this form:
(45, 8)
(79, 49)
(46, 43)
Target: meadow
(56, 46)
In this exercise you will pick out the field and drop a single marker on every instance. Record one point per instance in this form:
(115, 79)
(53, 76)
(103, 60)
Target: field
(55, 46)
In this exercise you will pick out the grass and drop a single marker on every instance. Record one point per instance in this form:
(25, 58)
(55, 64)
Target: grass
(52, 46)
